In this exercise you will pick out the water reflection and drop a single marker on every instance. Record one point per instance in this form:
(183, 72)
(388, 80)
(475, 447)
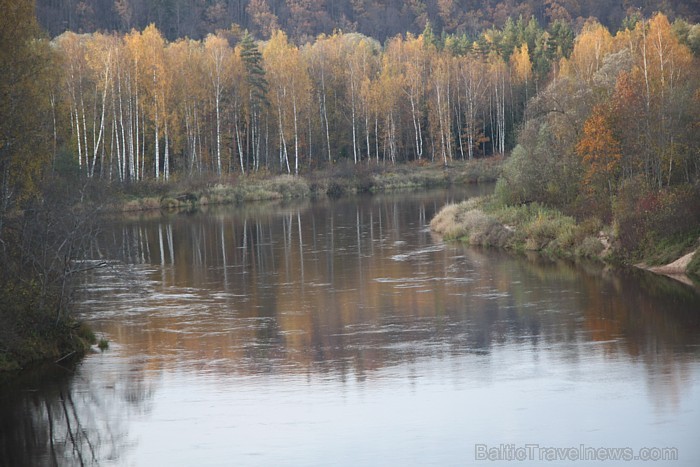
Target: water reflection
(340, 318)
(364, 283)
(50, 416)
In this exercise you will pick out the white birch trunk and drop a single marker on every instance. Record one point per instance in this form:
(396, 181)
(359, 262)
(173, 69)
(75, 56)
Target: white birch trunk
(240, 146)
(218, 125)
(296, 135)
(155, 107)
(325, 113)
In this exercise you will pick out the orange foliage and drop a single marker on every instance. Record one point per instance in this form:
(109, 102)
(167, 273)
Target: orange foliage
(599, 149)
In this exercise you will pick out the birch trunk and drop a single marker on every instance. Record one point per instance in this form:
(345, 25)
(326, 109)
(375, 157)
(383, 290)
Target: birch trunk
(325, 113)
(296, 135)
(155, 107)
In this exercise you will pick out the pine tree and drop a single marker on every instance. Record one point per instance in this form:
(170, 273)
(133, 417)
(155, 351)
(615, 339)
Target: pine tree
(258, 87)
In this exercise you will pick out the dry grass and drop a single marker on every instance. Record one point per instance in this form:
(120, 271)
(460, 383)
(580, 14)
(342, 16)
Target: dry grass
(141, 204)
(468, 221)
(481, 221)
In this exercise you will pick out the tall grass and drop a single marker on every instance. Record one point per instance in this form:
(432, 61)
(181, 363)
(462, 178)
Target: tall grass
(529, 227)
(468, 221)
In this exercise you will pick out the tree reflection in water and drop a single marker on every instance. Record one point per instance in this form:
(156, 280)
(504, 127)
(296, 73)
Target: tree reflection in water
(364, 283)
(344, 291)
(55, 415)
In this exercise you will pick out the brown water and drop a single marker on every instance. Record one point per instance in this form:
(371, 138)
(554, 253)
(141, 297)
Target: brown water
(345, 333)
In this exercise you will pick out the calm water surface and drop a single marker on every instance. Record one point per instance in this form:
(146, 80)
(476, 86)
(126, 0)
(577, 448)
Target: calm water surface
(345, 333)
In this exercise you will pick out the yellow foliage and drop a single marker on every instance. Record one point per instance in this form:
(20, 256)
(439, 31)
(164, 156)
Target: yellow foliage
(25, 77)
(520, 60)
(591, 47)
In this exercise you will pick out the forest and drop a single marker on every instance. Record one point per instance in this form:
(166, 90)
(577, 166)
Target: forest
(304, 20)
(137, 106)
(597, 118)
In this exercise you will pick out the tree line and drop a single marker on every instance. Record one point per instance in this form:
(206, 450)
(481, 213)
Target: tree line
(304, 20)
(136, 106)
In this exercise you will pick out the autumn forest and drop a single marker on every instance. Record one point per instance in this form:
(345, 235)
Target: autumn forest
(137, 106)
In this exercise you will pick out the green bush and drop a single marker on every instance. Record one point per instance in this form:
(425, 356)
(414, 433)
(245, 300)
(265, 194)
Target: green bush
(542, 168)
(550, 230)
(103, 344)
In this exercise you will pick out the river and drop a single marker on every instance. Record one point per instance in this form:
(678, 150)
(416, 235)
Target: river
(346, 333)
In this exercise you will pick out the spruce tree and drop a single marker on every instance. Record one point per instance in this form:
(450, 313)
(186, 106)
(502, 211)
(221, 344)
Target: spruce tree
(255, 73)
(257, 84)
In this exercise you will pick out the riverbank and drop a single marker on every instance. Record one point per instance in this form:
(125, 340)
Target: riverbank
(337, 181)
(534, 227)
(35, 338)
(45, 245)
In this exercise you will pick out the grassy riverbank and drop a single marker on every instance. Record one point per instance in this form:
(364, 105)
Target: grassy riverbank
(340, 180)
(534, 227)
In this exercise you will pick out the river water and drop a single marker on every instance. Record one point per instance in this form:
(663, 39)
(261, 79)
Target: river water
(346, 333)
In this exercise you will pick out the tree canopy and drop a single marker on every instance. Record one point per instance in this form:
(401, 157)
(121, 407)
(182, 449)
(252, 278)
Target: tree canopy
(303, 20)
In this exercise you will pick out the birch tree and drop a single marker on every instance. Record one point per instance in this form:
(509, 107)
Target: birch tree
(218, 60)
(440, 106)
(474, 83)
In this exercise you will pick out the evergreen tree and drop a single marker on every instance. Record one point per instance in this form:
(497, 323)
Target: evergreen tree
(257, 87)
(255, 73)
(561, 38)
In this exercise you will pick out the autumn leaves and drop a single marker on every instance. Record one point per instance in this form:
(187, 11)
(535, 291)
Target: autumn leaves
(138, 107)
(643, 123)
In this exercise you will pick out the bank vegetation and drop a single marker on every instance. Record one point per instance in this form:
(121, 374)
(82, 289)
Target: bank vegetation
(607, 161)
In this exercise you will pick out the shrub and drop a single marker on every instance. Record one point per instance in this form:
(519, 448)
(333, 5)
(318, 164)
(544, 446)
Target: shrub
(542, 168)
(590, 247)
(649, 220)
(450, 221)
(103, 344)
(549, 229)
(630, 211)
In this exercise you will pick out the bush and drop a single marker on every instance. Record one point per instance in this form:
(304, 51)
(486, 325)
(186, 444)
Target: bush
(650, 221)
(481, 170)
(335, 190)
(103, 344)
(452, 220)
(289, 186)
(631, 212)
(590, 247)
(542, 168)
(550, 230)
